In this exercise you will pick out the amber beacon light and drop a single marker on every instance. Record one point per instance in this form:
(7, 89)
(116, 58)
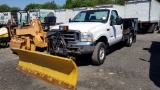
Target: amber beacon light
(64, 28)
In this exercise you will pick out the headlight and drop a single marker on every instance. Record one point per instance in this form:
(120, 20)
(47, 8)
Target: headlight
(86, 36)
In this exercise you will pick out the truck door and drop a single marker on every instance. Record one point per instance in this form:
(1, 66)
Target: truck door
(115, 29)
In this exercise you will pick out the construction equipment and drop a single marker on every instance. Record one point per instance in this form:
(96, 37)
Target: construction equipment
(58, 71)
(61, 72)
(30, 37)
(5, 35)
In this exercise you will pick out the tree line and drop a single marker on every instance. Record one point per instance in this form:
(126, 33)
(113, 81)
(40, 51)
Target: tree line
(90, 3)
(68, 4)
(6, 8)
(47, 5)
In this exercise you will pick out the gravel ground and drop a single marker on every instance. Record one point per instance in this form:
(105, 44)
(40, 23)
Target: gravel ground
(125, 68)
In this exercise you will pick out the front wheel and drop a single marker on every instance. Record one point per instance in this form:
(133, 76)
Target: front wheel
(99, 53)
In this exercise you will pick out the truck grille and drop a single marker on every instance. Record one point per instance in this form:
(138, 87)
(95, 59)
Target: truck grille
(71, 36)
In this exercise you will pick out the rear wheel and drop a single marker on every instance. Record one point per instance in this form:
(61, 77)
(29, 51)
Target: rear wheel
(157, 28)
(98, 56)
(129, 40)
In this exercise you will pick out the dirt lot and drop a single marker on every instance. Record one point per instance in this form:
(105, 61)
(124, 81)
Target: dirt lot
(125, 68)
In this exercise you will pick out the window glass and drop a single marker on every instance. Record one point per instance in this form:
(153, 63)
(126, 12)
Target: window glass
(80, 17)
(91, 16)
(114, 16)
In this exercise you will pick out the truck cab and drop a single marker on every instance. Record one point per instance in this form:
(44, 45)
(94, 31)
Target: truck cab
(90, 31)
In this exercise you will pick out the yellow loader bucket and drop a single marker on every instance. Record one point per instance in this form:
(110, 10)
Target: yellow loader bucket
(58, 71)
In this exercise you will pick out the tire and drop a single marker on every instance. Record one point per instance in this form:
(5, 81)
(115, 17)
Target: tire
(129, 41)
(153, 31)
(157, 28)
(98, 59)
(5, 44)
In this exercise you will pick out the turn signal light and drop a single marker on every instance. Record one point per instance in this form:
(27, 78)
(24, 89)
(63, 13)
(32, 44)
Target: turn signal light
(64, 28)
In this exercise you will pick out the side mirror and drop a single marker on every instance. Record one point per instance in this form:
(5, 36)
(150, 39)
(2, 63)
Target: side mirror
(70, 20)
(104, 19)
(119, 21)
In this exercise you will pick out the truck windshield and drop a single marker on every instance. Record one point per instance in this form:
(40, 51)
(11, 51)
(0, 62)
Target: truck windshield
(91, 16)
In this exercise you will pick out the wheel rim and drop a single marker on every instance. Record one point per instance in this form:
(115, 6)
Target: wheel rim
(131, 40)
(102, 53)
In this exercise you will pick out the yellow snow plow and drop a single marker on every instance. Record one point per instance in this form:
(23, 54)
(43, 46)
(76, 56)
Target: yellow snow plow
(58, 71)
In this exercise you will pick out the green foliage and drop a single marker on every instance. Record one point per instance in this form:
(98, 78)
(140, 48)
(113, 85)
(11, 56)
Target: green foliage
(4, 8)
(105, 2)
(47, 5)
(121, 2)
(78, 3)
(68, 4)
(90, 3)
(33, 6)
(69, 1)
(84, 3)
(50, 5)
(14, 8)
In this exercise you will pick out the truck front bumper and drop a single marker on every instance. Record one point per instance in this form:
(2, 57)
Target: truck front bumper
(81, 48)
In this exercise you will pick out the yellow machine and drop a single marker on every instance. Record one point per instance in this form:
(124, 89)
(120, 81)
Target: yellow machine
(29, 37)
(58, 71)
(5, 36)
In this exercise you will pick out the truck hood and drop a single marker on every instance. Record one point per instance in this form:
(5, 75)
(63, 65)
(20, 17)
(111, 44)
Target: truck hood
(82, 26)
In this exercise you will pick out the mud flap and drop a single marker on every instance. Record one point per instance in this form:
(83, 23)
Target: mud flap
(58, 71)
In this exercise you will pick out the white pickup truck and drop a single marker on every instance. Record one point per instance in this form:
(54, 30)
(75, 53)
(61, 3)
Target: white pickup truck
(92, 32)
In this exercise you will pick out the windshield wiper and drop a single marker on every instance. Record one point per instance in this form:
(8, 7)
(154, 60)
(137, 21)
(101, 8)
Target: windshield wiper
(94, 21)
(77, 21)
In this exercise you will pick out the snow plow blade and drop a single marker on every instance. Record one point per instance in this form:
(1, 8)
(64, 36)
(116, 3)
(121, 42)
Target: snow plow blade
(58, 71)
